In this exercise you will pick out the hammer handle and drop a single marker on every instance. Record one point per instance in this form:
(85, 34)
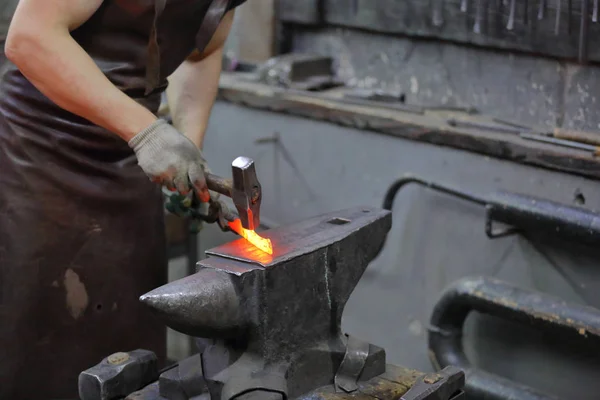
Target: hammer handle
(219, 185)
(577, 136)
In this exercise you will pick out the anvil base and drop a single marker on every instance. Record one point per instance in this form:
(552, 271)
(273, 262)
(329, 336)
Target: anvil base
(394, 384)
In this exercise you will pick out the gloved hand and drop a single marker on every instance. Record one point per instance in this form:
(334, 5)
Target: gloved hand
(171, 159)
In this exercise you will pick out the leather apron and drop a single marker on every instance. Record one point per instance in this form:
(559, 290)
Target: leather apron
(81, 227)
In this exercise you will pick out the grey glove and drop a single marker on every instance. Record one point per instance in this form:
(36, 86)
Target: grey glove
(170, 159)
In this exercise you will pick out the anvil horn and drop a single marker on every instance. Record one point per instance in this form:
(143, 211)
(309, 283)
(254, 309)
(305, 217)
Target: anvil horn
(203, 305)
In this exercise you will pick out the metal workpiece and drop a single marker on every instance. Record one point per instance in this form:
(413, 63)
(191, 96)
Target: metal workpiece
(118, 375)
(500, 299)
(246, 192)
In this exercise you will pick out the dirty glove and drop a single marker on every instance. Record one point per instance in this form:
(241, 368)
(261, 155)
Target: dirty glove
(171, 159)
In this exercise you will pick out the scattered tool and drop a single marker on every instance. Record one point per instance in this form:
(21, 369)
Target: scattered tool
(595, 150)
(269, 338)
(118, 375)
(447, 384)
(481, 125)
(576, 136)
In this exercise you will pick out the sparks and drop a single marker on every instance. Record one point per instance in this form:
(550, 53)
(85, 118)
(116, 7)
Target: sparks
(258, 241)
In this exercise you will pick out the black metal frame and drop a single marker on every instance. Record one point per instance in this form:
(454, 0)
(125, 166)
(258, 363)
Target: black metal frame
(493, 297)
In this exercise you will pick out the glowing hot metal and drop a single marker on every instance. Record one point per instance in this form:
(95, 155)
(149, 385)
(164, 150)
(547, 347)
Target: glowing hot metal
(251, 236)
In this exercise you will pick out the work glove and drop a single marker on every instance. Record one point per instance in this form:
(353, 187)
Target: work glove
(171, 159)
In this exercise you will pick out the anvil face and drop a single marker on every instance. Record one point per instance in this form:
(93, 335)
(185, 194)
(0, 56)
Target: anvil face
(305, 237)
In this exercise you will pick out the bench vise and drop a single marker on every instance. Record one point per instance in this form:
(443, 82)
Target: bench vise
(271, 324)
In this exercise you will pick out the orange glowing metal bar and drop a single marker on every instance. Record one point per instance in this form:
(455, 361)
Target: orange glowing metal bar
(251, 236)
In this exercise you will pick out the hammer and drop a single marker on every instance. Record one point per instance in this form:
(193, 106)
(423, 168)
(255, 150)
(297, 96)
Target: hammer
(244, 189)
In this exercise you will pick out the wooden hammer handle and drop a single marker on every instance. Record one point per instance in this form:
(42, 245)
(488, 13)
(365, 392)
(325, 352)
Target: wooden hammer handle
(578, 136)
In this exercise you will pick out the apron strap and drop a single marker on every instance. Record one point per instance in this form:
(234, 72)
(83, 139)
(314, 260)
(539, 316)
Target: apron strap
(211, 22)
(153, 63)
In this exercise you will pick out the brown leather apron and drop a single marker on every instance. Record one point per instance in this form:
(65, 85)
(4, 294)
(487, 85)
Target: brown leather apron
(81, 226)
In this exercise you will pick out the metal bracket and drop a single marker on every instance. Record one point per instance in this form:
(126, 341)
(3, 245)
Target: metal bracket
(357, 352)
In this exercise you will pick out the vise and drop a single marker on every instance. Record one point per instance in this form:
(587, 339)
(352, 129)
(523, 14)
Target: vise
(271, 324)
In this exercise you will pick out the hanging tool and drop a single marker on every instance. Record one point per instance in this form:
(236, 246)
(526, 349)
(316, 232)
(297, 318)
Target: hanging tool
(558, 15)
(595, 150)
(541, 10)
(444, 384)
(525, 12)
(584, 31)
(479, 16)
(511, 15)
(464, 5)
(595, 12)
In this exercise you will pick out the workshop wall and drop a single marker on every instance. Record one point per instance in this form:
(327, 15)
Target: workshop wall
(434, 241)
(533, 90)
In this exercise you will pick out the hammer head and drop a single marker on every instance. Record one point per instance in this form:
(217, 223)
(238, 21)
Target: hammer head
(118, 375)
(246, 192)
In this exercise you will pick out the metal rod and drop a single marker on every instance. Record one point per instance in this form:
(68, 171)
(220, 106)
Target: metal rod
(595, 11)
(584, 31)
(464, 5)
(511, 123)
(559, 142)
(438, 13)
(558, 15)
(542, 10)
(477, 28)
(483, 126)
(569, 15)
(511, 15)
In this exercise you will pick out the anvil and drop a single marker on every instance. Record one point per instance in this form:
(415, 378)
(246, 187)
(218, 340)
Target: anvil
(271, 324)
(277, 318)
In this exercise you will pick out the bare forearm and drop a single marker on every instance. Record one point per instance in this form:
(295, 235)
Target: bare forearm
(51, 59)
(193, 86)
(191, 94)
